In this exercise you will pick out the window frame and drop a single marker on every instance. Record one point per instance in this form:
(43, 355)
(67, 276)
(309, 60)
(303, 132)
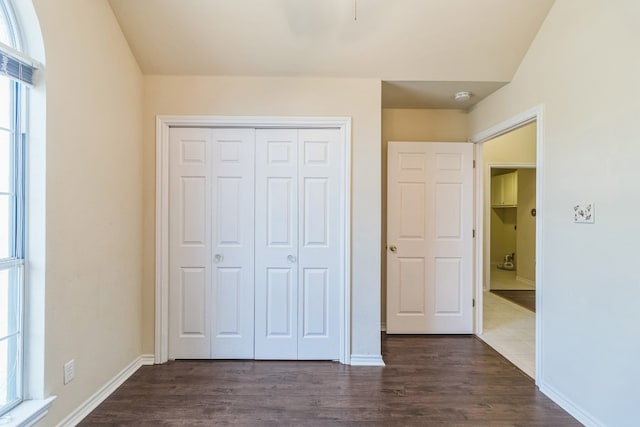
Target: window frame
(12, 28)
(14, 264)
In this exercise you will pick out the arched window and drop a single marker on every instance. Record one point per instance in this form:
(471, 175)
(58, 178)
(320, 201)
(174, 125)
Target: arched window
(8, 34)
(16, 74)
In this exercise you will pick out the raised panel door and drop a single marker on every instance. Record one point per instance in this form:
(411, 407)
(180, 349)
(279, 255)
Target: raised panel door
(407, 227)
(189, 243)
(276, 244)
(232, 165)
(320, 254)
(430, 246)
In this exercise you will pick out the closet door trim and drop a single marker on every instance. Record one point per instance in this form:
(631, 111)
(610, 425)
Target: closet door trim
(163, 125)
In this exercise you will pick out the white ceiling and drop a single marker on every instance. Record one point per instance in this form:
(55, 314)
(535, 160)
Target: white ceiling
(403, 41)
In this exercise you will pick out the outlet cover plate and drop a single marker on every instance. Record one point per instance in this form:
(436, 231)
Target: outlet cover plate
(69, 371)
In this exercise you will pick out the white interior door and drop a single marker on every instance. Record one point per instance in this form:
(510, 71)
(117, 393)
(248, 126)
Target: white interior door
(320, 246)
(276, 284)
(429, 238)
(298, 243)
(211, 179)
(256, 247)
(190, 243)
(232, 311)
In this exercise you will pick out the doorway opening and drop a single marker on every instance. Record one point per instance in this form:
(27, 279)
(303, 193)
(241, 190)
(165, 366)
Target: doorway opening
(508, 280)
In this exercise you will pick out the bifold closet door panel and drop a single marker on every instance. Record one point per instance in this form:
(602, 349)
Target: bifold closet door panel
(298, 243)
(256, 253)
(232, 305)
(211, 232)
(276, 252)
(321, 254)
(189, 243)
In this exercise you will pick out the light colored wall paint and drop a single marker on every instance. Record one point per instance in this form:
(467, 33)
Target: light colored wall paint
(526, 233)
(403, 124)
(93, 200)
(399, 124)
(250, 96)
(583, 67)
(517, 147)
(513, 148)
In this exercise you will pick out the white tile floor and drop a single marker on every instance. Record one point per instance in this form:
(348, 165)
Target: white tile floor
(509, 328)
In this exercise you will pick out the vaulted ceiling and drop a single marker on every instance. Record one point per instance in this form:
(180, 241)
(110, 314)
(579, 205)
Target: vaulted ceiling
(419, 47)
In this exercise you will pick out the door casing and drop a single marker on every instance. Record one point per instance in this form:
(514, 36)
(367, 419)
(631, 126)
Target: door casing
(534, 114)
(163, 125)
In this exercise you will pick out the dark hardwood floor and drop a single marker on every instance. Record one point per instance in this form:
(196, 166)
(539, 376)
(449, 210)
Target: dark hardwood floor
(428, 381)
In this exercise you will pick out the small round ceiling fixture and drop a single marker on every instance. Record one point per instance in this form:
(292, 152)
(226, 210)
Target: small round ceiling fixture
(462, 96)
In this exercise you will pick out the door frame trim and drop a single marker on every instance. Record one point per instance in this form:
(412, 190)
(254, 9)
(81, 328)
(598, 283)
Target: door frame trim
(535, 114)
(163, 125)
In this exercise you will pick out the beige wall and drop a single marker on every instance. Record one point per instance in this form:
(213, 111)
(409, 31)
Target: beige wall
(93, 200)
(526, 234)
(583, 68)
(402, 124)
(358, 99)
(413, 125)
(515, 148)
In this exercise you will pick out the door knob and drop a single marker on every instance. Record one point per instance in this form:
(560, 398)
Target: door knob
(218, 258)
(291, 259)
(393, 248)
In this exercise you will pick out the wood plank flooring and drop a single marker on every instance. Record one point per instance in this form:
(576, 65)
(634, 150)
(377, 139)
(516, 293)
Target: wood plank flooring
(428, 381)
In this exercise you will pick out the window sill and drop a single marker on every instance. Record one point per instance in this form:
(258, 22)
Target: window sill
(26, 413)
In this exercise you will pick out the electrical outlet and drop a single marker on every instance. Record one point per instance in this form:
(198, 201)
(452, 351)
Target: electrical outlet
(69, 371)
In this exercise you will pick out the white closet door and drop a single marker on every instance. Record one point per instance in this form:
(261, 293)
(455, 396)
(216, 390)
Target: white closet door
(276, 214)
(256, 249)
(189, 243)
(232, 243)
(320, 252)
(211, 175)
(298, 244)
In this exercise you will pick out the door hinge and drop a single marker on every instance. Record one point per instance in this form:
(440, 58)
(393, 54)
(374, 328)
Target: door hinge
(473, 302)
(473, 234)
(474, 164)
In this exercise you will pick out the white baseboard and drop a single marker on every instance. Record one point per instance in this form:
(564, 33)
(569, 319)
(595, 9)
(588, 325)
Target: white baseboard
(574, 410)
(92, 403)
(366, 360)
(383, 326)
